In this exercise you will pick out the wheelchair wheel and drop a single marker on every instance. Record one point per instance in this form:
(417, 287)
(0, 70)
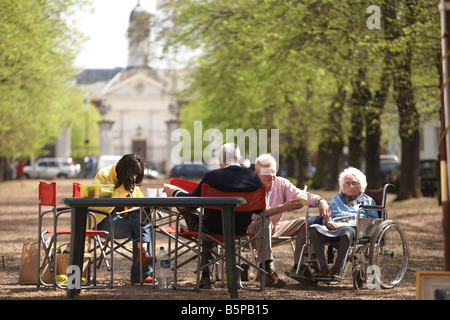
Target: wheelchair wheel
(389, 253)
(359, 274)
(307, 276)
(358, 279)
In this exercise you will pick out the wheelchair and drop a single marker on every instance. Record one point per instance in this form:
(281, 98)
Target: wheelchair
(378, 256)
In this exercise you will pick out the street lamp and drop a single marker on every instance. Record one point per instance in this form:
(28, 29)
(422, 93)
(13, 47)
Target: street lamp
(86, 125)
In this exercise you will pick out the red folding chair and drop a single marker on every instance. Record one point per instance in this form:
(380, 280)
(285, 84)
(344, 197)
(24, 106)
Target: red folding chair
(47, 198)
(76, 192)
(255, 202)
(187, 185)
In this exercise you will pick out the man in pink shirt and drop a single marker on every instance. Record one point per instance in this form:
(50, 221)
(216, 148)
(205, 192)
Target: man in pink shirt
(281, 196)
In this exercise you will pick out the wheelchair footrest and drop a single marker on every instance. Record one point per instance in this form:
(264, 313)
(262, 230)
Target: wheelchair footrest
(301, 278)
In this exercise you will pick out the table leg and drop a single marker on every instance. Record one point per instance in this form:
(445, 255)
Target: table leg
(140, 247)
(77, 240)
(230, 254)
(152, 213)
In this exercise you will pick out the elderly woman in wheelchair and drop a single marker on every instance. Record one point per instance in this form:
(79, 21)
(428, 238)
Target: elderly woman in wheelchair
(340, 227)
(360, 231)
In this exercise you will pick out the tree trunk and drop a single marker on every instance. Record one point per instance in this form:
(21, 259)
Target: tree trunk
(399, 16)
(358, 104)
(409, 126)
(329, 157)
(373, 127)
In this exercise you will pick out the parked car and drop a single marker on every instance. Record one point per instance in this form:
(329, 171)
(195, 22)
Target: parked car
(51, 168)
(389, 169)
(428, 177)
(107, 160)
(151, 174)
(427, 173)
(189, 170)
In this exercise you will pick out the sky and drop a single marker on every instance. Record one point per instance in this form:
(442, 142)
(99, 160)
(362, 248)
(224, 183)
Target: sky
(106, 27)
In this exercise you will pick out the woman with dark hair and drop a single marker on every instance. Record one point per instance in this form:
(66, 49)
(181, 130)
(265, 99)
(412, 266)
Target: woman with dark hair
(127, 176)
(130, 172)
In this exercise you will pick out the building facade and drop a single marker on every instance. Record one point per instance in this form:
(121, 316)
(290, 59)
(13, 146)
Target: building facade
(137, 103)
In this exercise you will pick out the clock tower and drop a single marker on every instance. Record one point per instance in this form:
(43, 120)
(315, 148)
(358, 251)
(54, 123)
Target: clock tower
(139, 38)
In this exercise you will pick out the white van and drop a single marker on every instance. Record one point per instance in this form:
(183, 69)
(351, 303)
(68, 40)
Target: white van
(107, 160)
(51, 168)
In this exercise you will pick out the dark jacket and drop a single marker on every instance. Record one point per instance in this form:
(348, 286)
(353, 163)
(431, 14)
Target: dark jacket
(229, 179)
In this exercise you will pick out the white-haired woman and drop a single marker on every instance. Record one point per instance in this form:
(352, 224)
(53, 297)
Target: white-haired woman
(352, 183)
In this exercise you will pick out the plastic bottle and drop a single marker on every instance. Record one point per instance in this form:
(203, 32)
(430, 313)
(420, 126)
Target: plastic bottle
(164, 273)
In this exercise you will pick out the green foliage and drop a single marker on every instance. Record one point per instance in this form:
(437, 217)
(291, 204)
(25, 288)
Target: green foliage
(279, 64)
(37, 50)
(248, 76)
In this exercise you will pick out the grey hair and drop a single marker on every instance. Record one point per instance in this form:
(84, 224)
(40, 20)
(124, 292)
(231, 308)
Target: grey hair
(357, 173)
(229, 153)
(265, 159)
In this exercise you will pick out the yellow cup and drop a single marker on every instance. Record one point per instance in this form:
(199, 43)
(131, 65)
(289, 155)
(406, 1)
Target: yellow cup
(90, 190)
(107, 190)
(302, 197)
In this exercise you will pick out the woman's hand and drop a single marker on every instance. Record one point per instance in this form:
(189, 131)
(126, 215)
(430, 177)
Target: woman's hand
(324, 210)
(331, 225)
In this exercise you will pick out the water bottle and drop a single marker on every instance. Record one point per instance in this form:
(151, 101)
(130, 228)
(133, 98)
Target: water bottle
(164, 273)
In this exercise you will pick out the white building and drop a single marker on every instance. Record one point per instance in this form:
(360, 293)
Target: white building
(137, 105)
(429, 138)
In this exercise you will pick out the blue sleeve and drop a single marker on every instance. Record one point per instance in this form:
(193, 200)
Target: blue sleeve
(370, 213)
(334, 207)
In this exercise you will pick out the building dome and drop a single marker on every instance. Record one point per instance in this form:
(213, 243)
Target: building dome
(139, 38)
(137, 11)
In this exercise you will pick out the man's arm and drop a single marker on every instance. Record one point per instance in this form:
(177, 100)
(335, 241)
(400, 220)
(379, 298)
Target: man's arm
(289, 205)
(294, 204)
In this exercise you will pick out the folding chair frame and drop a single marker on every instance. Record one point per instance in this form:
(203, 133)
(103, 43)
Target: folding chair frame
(47, 197)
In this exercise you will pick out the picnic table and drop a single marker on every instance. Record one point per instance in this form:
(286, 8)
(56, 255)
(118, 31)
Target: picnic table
(79, 211)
